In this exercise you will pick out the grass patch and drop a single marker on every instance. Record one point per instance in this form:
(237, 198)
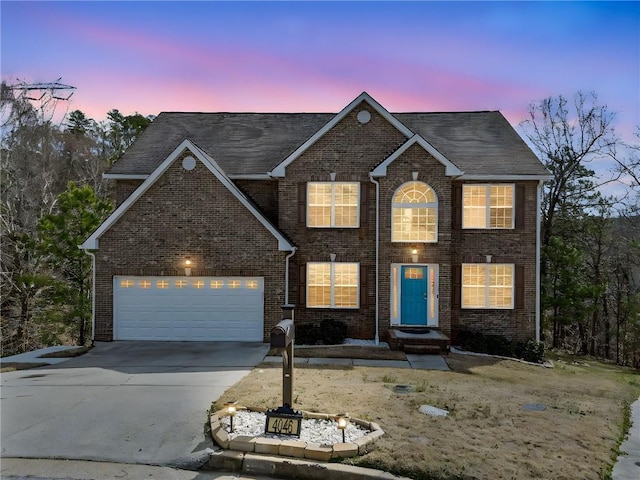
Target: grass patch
(13, 366)
(488, 434)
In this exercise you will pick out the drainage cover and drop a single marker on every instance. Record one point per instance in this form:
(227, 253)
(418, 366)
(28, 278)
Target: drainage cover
(402, 389)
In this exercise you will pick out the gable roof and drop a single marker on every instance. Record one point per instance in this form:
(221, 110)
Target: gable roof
(250, 145)
(91, 243)
(450, 169)
(241, 143)
(279, 171)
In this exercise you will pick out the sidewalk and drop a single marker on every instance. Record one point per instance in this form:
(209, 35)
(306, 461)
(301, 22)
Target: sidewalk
(627, 466)
(87, 470)
(423, 362)
(34, 356)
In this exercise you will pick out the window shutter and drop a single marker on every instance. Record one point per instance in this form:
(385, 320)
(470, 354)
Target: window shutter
(364, 286)
(364, 204)
(302, 285)
(519, 287)
(302, 203)
(457, 206)
(456, 297)
(519, 210)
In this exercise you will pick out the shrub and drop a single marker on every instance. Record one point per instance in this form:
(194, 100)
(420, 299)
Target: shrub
(307, 334)
(333, 332)
(530, 351)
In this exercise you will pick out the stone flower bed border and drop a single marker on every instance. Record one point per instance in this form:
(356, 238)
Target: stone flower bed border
(294, 447)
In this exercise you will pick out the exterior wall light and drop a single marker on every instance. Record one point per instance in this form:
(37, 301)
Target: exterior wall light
(414, 255)
(187, 266)
(231, 411)
(342, 419)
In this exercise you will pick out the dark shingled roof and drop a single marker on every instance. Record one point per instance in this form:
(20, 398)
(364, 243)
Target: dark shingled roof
(254, 143)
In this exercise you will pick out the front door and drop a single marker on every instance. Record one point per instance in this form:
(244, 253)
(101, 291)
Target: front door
(414, 295)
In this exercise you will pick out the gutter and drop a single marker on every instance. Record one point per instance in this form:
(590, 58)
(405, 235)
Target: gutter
(286, 275)
(93, 295)
(377, 184)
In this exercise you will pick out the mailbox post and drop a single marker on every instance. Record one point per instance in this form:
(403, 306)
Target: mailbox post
(284, 420)
(282, 339)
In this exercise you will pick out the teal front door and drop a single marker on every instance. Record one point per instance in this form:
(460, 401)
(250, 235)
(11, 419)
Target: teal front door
(413, 295)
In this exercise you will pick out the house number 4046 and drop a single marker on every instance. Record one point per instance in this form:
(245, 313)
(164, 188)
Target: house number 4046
(286, 426)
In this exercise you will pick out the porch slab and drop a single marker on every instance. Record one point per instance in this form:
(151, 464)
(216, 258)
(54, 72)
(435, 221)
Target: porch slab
(427, 362)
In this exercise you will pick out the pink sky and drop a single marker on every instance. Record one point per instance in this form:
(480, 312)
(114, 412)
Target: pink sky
(150, 56)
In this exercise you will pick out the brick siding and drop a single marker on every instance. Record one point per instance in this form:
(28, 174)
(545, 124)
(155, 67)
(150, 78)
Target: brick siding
(188, 214)
(192, 213)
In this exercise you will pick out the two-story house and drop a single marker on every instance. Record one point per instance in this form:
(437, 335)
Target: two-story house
(380, 220)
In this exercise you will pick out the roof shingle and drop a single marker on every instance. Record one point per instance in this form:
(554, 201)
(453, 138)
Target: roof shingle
(254, 143)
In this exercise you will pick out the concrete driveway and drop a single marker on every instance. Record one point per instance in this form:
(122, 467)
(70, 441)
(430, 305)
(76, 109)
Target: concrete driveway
(133, 402)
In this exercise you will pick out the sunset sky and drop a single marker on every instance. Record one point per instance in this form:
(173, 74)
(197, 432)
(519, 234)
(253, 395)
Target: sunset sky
(149, 57)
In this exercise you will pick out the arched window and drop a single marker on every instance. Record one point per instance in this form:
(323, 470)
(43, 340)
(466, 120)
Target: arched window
(415, 214)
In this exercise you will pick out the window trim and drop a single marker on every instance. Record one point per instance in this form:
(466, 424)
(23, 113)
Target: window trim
(332, 215)
(487, 287)
(395, 205)
(333, 306)
(488, 206)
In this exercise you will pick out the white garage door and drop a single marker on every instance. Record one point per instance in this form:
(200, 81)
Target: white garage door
(188, 308)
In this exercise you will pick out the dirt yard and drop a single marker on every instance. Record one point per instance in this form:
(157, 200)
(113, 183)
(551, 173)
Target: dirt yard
(488, 434)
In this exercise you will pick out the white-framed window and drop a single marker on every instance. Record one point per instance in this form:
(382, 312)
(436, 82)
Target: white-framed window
(181, 284)
(198, 284)
(488, 285)
(488, 206)
(216, 284)
(127, 283)
(162, 284)
(251, 284)
(234, 284)
(144, 284)
(415, 214)
(333, 204)
(333, 285)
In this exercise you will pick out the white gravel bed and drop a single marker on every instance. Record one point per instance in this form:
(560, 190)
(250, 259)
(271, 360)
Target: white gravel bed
(324, 432)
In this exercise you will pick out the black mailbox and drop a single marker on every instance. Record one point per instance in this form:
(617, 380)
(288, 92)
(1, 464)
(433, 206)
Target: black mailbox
(282, 334)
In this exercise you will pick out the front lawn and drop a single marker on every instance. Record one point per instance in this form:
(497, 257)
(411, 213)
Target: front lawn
(488, 434)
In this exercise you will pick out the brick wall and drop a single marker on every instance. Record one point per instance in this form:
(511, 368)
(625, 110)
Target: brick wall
(351, 150)
(188, 213)
(516, 246)
(264, 194)
(431, 172)
(124, 188)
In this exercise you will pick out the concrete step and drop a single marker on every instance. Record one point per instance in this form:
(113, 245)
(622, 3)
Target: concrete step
(423, 349)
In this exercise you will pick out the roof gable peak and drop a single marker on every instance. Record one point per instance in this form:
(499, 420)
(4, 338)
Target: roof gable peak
(200, 155)
(280, 169)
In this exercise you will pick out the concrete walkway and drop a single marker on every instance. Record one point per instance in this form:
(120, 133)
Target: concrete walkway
(627, 466)
(422, 362)
(35, 356)
(37, 468)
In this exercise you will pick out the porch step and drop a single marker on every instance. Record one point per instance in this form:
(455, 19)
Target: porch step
(422, 349)
(419, 340)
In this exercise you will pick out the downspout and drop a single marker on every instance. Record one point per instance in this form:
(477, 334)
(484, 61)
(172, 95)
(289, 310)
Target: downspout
(286, 275)
(538, 257)
(377, 184)
(93, 296)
